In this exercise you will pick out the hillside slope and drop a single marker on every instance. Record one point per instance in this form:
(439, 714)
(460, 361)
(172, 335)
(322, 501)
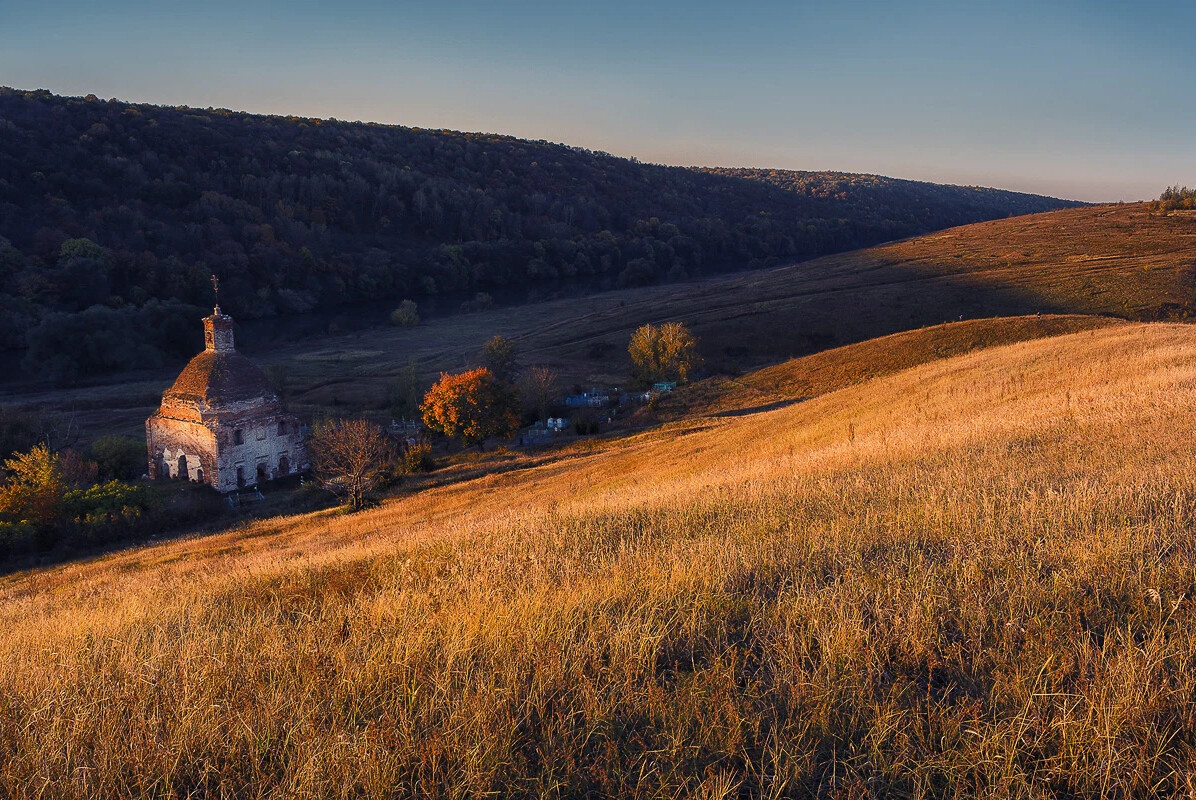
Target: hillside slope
(1118, 261)
(973, 577)
(830, 370)
(295, 214)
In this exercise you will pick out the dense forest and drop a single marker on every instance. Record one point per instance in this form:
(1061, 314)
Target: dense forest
(113, 215)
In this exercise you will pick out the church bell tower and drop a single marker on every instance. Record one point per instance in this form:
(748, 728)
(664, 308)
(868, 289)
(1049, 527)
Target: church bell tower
(218, 332)
(218, 328)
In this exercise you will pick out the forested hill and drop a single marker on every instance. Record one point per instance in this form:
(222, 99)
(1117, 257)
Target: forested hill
(913, 203)
(113, 215)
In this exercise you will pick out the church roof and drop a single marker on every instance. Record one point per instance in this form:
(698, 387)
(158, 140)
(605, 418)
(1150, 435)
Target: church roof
(217, 378)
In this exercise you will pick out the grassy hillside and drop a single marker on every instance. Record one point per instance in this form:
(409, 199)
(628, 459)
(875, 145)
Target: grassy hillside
(1124, 261)
(972, 577)
(112, 216)
(830, 370)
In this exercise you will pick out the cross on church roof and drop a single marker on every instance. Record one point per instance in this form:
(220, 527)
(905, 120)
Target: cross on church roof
(216, 291)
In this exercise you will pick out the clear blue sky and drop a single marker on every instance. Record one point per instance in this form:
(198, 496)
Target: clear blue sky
(1089, 100)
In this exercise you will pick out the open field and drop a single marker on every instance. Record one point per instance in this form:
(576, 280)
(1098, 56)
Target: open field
(1112, 260)
(972, 577)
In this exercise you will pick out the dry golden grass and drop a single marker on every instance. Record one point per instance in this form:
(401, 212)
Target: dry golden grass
(840, 367)
(974, 577)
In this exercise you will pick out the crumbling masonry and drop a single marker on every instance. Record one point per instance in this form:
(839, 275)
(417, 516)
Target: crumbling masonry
(221, 423)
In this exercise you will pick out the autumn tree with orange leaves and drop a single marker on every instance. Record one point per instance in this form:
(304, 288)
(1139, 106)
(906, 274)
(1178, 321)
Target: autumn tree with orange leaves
(471, 406)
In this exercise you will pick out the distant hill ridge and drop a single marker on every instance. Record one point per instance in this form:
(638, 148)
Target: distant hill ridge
(892, 197)
(295, 213)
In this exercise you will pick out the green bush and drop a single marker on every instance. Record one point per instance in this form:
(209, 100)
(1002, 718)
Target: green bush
(406, 315)
(109, 502)
(480, 302)
(16, 538)
(417, 457)
(119, 457)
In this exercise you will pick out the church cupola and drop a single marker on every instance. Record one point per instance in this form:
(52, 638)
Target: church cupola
(218, 332)
(220, 422)
(218, 328)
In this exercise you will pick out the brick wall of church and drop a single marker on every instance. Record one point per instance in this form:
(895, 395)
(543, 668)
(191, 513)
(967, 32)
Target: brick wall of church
(264, 450)
(169, 440)
(269, 446)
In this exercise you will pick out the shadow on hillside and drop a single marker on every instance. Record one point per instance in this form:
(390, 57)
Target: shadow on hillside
(742, 321)
(807, 308)
(773, 406)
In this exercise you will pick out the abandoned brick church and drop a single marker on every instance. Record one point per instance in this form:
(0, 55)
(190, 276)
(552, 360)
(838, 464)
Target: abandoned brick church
(221, 423)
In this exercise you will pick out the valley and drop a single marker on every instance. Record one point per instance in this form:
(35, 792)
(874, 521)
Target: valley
(597, 401)
(1125, 261)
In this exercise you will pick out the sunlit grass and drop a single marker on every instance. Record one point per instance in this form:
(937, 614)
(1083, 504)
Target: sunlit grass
(976, 577)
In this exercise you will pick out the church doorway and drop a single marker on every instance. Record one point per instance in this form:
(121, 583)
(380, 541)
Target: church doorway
(240, 477)
(263, 474)
(183, 467)
(284, 466)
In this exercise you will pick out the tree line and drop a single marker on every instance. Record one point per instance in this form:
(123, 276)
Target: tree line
(1176, 198)
(113, 215)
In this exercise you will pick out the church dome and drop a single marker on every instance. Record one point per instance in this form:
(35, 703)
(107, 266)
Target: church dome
(219, 378)
(221, 423)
